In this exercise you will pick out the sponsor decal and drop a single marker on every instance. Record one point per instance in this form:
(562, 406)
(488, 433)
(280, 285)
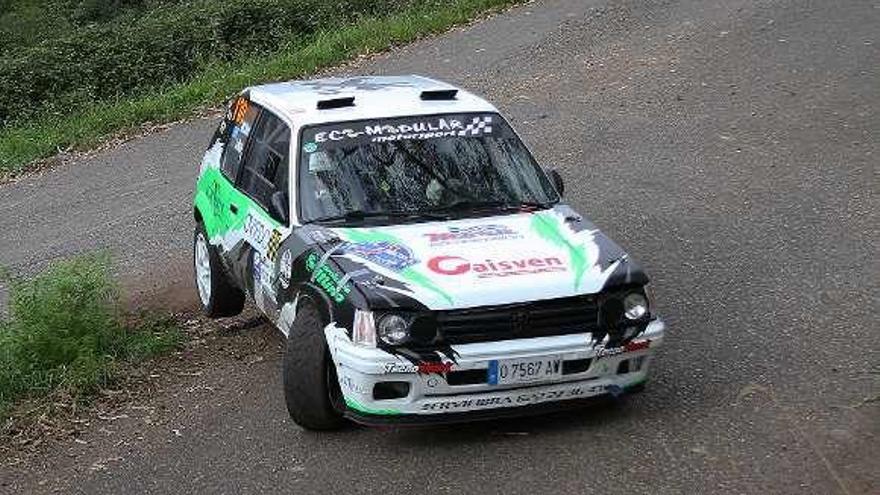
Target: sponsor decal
(262, 236)
(410, 274)
(399, 368)
(456, 265)
(285, 267)
(215, 198)
(310, 147)
(256, 232)
(390, 255)
(274, 244)
(239, 109)
(437, 127)
(422, 367)
(262, 271)
(327, 278)
(264, 293)
(631, 346)
(426, 368)
(407, 129)
(474, 233)
(351, 385)
(521, 399)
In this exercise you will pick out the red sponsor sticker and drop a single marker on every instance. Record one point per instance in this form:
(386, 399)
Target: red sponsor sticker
(456, 265)
(428, 368)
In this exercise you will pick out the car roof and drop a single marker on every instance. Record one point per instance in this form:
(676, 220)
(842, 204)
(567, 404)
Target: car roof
(375, 97)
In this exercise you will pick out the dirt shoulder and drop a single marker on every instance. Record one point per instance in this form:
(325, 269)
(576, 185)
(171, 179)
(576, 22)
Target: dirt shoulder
(156, 402)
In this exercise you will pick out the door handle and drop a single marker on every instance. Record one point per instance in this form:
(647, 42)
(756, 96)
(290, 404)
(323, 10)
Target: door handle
(233, 208)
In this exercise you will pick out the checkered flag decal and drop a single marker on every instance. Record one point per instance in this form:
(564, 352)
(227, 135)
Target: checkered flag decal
(274, 244)
(480, 125)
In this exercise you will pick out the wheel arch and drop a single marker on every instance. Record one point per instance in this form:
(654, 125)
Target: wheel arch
(197, 215)
(322, 302)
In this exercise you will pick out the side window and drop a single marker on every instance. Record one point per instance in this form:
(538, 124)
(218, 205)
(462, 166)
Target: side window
(267, 161)
(240, 118)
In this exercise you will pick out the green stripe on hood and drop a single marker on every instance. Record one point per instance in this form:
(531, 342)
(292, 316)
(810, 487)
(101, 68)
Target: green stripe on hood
(548, 227)
(410, 274)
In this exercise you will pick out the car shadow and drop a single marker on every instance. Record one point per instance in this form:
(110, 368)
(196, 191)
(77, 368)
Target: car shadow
(599, 414)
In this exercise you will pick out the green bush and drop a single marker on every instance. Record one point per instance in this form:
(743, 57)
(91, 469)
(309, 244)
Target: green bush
(65, 329)
(160, 46)
(92, 11)
(78, 127)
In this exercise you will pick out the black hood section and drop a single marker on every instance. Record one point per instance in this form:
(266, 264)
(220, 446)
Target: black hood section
(628, 271)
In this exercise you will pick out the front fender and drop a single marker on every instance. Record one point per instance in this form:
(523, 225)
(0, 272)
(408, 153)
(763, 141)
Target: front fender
(313, 293)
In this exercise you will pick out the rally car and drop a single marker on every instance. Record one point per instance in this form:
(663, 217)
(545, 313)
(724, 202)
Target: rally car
(421, 265)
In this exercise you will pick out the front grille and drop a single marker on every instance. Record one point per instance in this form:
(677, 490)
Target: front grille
(518, 321)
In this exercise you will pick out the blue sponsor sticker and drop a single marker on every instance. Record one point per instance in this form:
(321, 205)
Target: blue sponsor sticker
(492, 379)
(310, 147)
(389, 255)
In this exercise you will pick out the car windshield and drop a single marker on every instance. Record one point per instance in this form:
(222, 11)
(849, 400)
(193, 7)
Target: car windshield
(416, 165)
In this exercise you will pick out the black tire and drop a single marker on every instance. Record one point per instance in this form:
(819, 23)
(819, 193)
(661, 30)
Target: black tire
(311, 388)
(637, 389)
(223, 299)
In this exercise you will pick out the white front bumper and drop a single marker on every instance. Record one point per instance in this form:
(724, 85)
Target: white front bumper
(361, 368)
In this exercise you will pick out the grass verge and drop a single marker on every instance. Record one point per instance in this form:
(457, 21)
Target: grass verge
(22, 145)
(66, 333)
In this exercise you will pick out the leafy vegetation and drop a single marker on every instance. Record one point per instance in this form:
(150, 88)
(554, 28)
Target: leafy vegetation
(161, 60)
(65, 330)
(163, 45)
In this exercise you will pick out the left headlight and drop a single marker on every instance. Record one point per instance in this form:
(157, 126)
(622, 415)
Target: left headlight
(635, 306)
(393, 329)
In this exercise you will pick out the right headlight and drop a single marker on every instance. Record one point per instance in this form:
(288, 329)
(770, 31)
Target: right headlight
(635, 306)
(393, 329)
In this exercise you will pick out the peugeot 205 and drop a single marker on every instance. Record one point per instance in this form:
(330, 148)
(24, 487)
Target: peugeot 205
(420, 264)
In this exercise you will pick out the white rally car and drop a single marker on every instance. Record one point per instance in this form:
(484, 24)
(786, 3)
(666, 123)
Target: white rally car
(420, 263)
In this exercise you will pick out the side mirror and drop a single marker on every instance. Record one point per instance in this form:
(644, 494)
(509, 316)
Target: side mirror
(557, 181)
(278, 206)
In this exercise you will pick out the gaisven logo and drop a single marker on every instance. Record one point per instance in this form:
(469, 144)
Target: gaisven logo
(456, 265)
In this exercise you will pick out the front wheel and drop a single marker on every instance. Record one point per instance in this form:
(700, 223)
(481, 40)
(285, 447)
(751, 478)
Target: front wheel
(311, 387)
(218, 296)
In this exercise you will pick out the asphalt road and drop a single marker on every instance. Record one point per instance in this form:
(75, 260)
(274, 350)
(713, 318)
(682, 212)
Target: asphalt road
(731, 146)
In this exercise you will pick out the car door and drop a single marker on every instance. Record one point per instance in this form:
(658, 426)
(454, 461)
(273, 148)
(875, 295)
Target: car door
(218, 202)
(263, 180)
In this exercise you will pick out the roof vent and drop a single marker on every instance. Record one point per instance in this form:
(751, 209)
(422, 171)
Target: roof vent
(439, 94)
(347, 101)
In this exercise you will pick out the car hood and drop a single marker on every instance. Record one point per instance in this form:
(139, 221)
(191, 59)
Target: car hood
(483, 261)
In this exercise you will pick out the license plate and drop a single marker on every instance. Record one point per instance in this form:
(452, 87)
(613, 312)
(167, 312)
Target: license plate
(528, 370)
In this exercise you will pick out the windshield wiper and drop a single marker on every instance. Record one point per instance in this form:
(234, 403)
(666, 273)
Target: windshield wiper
(529, 205)
(361, 215)
(467, 204)
(470, 204)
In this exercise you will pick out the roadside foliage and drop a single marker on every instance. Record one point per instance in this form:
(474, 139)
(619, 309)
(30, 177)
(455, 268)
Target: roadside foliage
(66, 330)
(74, 72)
(145, 48)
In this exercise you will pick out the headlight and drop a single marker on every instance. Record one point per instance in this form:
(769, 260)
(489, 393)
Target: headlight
(635, 306)
(393, 329)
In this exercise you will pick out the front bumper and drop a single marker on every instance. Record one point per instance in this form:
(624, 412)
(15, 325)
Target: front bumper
(464, 392)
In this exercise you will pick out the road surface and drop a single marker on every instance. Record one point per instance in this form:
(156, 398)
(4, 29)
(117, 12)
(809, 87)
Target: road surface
(731, 146)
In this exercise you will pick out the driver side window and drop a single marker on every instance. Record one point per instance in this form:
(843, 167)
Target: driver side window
(265, 169)
(237, 125)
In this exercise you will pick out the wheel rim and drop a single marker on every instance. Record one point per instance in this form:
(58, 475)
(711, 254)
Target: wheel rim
(203, 269)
